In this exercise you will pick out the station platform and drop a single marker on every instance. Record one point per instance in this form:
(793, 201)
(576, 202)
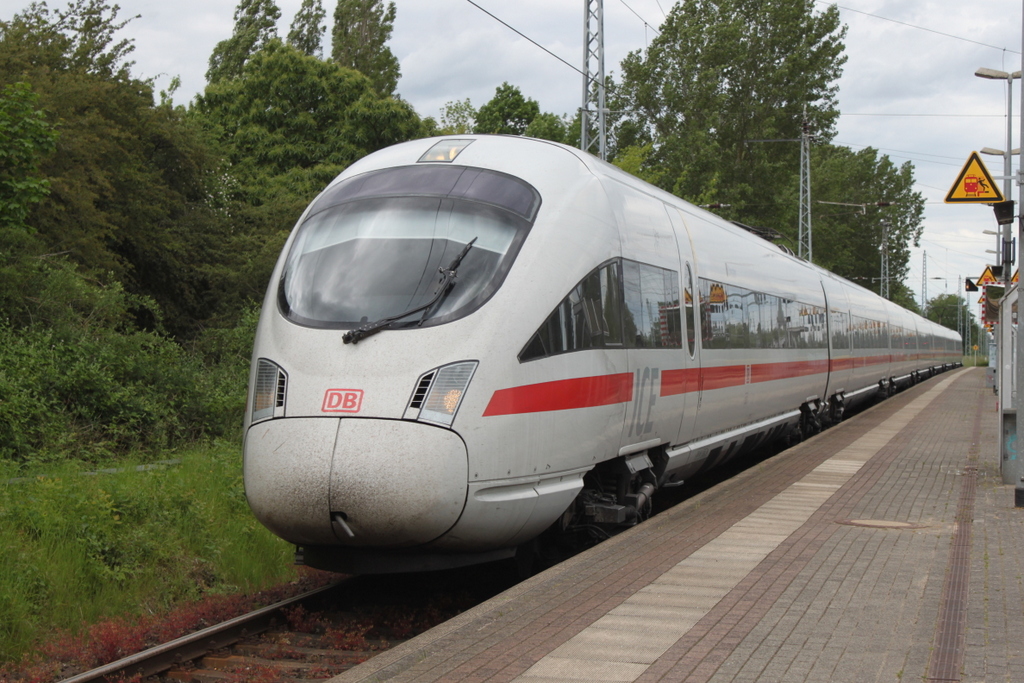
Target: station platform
(884, 549)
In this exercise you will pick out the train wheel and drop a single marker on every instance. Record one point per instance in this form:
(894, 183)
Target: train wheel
(810, 421)
(836, 408)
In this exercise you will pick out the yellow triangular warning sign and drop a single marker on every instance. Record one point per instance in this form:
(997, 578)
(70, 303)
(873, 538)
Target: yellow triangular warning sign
(987, 278)
(974, 185)
(1016, 276)
(982, 299)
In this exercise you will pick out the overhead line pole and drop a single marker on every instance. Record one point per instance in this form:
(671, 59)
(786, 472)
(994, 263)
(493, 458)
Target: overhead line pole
(883, 287)
(804, 242)
(924, 280)
(593, 110)
(805, 245)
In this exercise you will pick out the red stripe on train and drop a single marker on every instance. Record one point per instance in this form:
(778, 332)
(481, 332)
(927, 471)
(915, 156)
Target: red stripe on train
(679, 381)
(602, 390)
(675, 382)
(565, 394)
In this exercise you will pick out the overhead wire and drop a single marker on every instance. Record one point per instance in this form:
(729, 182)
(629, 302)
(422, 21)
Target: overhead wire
(951, 116)
(962, 253)
(535, 43)
(920, 28)
(646, 23)
(526, 37)
(900, 154)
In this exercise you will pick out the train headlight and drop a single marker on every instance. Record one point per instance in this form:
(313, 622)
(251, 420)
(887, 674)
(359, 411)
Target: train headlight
(439, 393)
(270, 390)
(445, 151)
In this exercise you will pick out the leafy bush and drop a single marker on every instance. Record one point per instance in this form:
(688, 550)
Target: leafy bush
(78, 380)
(80, 548)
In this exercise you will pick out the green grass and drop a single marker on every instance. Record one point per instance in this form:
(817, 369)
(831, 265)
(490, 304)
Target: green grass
(76, 549)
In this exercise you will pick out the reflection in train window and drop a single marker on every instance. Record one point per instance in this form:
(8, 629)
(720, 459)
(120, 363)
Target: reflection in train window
(896, 337)
(652, 306)
(738, 318)
(869, 334)
(840, 330)
(589, 317)
(619, 304)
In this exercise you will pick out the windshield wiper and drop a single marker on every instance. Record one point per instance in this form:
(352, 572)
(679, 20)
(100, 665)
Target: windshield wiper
(448, 278)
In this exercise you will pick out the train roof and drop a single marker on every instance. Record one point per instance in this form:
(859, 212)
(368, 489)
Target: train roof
(518, 155)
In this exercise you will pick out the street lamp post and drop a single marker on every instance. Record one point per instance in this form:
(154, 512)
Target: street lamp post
(1007, 154)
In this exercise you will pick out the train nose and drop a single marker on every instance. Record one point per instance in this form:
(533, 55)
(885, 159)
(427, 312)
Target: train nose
(356, 482)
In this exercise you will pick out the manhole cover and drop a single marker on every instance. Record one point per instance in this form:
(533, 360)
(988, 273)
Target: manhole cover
(881, 524)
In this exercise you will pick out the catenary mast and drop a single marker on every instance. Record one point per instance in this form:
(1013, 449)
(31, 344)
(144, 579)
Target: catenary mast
(593, 111)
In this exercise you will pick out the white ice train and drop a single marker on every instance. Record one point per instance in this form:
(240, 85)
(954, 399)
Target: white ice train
(468, 341)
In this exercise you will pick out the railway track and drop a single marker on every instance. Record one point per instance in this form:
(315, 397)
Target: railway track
(314, 635)
(161, 658)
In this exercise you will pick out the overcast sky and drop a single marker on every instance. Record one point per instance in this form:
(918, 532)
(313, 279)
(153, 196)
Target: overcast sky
(908, 87)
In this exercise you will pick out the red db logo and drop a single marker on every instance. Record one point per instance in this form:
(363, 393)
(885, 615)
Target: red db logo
(342, 401)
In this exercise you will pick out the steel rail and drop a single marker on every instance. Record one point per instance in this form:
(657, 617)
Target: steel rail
(162, 657)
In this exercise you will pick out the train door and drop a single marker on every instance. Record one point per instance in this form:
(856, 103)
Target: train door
(685, 382)
(840, 358)
(652, 318)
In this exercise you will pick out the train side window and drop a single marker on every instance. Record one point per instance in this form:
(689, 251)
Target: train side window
(691, 334)
(621, 303)
(590, 316)
(610, 282)
(896, 334)
(734, 317)
(840, 328)
(652, 317)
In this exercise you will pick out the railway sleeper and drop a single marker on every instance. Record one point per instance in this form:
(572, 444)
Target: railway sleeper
(227, 666)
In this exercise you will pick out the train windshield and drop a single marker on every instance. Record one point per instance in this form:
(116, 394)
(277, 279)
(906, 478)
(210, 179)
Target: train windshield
(372, 247)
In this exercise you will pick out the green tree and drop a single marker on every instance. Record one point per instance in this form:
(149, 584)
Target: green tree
(721, 74)
(361, 30)
(862, 200)
(307, 29)
(901, 295)
(548, 126)
(129, 180)
(289, 112)
(943, 310)
(634, 160)
(79, 38)
(457, 117)
(255, 26)
(507, 113)
(25, 137)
